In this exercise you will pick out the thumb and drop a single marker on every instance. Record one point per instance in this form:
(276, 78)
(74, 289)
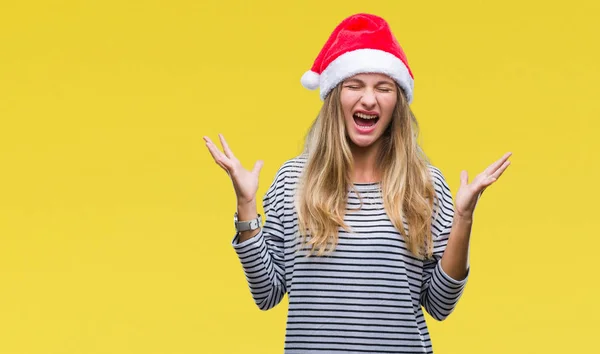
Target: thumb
(464, 178)
(257, 167)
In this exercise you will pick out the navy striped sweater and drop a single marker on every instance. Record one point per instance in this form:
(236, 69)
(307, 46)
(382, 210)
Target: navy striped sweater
(366, 297)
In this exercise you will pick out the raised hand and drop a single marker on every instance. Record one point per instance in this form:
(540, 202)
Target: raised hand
(468, 194)
(244, 182)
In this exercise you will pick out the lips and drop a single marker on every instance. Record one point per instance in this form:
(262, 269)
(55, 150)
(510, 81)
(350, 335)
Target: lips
(365, 122)
(365, 119)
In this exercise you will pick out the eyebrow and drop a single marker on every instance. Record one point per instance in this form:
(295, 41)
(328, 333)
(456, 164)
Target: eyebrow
(377, 84)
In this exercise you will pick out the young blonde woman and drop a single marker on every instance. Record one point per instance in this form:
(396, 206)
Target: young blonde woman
(361, 231)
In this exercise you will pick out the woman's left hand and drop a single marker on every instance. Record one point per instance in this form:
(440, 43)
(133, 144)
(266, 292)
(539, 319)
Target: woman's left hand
(468, 194)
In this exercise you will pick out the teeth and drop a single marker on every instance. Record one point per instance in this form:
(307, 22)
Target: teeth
(365, 116)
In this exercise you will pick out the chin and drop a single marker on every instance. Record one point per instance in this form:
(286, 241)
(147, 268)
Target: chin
(362, 142)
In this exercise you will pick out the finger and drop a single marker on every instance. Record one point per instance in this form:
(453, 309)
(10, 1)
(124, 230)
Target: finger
(223, 167)
(257, 167)
(215, 154)
(214, 149)
(501, 170)
(493, 178)
(207, 139)
(218, 156)
(493, 167)
(464, 178)
(226, 148)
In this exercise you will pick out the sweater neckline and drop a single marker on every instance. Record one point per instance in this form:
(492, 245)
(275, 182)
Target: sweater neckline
(367, 186)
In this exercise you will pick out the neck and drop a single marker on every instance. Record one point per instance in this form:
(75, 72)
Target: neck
(365, 164)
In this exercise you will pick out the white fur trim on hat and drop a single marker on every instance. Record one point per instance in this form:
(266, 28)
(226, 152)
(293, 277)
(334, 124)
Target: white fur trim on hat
(366, 61)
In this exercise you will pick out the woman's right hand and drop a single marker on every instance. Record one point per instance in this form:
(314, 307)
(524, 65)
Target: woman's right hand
(244, 182)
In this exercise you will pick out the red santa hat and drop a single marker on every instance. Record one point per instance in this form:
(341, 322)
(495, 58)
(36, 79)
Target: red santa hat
(361, 43)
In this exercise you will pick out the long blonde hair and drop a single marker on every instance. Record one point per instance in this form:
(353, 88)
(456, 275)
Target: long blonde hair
(406, 185)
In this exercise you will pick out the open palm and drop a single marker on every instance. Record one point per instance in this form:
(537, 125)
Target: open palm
(468, 194)
(244, 182)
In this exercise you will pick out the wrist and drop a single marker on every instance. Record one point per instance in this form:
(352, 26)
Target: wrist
(246, 204)
(466, 218)
(247, 209)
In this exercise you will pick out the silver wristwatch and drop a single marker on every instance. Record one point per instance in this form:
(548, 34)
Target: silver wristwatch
(246, 225)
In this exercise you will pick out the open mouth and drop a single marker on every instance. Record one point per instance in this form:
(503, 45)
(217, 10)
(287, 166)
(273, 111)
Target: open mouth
(365, 120)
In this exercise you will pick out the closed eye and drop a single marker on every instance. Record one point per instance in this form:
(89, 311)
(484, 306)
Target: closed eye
(385, 89)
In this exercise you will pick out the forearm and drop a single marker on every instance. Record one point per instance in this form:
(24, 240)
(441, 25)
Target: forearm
(261, 254)
(263, 266)
(455, 261)
(247, 211)
(448, 278)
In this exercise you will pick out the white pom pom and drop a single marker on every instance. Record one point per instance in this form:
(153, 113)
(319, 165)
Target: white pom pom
(310, 80)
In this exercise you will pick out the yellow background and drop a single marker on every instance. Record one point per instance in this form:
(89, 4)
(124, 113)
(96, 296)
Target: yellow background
(115, 223)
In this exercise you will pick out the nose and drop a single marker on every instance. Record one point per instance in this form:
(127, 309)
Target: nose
(368, 99)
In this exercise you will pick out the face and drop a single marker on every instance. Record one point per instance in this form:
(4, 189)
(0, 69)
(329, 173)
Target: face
(368, 101)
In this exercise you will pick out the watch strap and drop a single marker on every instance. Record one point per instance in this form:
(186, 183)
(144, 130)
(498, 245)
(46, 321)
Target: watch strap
(247, 225)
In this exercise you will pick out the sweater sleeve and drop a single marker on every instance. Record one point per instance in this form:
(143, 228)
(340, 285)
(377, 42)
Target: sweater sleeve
(262, 256)
(439, 292)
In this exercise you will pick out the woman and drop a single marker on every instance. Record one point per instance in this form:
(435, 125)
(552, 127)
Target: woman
(361, 231)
